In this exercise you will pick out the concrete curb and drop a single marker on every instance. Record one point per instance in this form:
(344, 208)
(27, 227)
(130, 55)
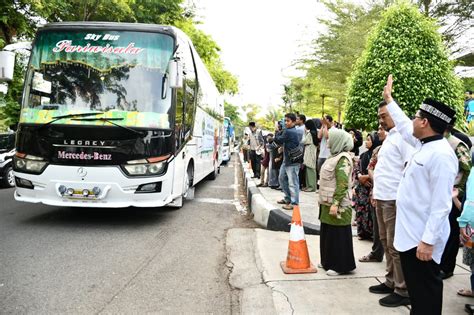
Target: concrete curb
(264, 213)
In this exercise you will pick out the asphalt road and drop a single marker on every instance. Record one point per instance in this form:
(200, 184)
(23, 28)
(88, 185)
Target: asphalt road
(73, 260)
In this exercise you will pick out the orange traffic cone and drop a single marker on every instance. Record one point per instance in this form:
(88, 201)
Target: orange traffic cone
(297, 260)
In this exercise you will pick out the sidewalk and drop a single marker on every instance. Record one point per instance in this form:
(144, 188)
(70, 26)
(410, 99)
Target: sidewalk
(270, 215)
(255, 254)
(255, 257)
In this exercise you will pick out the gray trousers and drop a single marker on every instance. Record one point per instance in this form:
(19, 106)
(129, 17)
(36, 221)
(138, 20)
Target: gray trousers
(386, 214)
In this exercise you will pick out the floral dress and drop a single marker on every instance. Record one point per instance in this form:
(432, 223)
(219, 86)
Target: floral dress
(361, 202)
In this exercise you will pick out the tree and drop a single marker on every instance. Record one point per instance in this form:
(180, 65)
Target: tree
(208, 50)
(232, 112)
(456, 17)
(251, 111)
(406, 44)
(333, 55)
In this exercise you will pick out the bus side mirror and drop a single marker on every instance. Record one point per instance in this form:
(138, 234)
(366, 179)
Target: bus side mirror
(7, 64)
(175, 71)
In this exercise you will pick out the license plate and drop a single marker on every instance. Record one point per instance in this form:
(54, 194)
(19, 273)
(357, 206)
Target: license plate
(78, 195)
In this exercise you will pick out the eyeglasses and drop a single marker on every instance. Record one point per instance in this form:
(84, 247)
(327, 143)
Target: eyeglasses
(418, 117)
(469, 231)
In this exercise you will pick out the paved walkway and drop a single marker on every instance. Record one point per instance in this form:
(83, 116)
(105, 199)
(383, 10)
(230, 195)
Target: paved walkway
(255, 256)
(271, 291)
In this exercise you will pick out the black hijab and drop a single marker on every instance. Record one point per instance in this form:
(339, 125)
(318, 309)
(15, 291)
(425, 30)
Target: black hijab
(313, 129)
(366, 156)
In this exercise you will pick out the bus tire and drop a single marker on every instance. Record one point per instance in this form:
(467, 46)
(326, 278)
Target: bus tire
(188, 183)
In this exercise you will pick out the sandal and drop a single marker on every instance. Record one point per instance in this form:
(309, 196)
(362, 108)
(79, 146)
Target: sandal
(369, 258)
(282, 202)
(465, 292)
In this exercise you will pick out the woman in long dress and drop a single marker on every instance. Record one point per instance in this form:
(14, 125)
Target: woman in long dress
(336, 249)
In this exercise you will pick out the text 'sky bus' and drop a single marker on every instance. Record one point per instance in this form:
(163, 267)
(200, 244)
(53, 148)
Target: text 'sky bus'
(116, 115)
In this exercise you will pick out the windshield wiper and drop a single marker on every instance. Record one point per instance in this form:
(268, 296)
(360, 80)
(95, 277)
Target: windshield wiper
(56, 118)
(110, 121)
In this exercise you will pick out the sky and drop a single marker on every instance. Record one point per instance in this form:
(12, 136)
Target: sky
(259, 41)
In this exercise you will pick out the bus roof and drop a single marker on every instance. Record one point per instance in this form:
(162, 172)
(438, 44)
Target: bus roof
(137, 27)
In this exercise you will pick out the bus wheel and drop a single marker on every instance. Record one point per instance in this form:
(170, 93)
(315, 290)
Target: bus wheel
(188, 183)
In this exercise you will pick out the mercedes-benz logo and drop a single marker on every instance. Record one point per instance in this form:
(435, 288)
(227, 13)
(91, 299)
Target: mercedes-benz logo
(81, 172)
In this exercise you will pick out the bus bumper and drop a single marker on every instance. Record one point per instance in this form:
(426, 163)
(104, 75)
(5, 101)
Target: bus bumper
(108, 187)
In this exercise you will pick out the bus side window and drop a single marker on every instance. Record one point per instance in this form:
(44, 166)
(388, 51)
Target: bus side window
(190, 87)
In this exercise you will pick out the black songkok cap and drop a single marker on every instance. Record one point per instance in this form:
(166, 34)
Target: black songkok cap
(438, 110)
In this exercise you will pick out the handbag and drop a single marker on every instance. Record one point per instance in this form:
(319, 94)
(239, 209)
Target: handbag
(296, 154)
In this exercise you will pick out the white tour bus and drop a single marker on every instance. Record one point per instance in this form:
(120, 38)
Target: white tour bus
(116, 115)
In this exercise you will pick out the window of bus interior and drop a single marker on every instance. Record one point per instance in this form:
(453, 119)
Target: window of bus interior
(119, 73)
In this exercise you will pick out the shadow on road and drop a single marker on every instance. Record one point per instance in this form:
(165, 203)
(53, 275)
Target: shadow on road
(99, 217)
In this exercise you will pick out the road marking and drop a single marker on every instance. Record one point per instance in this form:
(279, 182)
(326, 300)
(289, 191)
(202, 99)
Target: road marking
(223, 187)
(215, 200)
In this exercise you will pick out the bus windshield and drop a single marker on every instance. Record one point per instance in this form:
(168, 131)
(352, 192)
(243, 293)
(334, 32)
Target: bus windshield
(120, 74)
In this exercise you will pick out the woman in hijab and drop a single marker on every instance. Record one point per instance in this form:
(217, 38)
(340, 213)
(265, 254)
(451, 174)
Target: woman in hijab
(335, 185)
(309, 158)
(363, 188)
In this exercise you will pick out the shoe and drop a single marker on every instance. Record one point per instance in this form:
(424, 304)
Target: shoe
(273, 187)
(369, 258)
(469, 308)
(394, 300)
(287, 207)
(259, 185)
(283, 202)
(380, 289)
(445, 275)
(264, 185)
(321, 266)
(332, 273)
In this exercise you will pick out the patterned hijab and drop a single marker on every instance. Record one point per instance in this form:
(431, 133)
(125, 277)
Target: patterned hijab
(339, 141)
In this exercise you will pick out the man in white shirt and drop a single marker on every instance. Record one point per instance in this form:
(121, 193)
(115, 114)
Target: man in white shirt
(424, 200)
(391, 160)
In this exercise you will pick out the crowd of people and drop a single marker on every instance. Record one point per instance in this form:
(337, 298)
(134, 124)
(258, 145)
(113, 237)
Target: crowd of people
(407, 192)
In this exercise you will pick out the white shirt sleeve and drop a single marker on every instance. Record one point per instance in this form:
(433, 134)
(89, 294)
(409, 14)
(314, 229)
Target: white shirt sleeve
(403, 123)
(441, 175)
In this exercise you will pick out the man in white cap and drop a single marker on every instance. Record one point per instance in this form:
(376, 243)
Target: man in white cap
(424, 200)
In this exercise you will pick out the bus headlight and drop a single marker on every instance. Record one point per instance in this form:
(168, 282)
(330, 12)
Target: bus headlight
(29, 163)
(148, 169)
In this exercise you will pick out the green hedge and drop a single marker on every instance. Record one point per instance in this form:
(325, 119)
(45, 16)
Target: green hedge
(406, 44)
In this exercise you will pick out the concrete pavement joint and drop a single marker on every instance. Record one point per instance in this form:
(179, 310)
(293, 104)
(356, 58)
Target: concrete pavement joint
(286, 297)
(322, 279)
